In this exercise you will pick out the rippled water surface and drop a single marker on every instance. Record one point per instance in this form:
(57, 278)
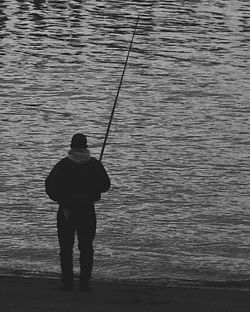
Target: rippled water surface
(178, 151)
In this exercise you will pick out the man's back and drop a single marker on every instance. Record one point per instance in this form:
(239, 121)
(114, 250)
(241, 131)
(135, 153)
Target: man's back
(81, 182)
(77, 178)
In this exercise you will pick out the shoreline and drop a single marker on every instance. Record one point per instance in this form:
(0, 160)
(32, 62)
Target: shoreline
(28, 294)
(240, 285)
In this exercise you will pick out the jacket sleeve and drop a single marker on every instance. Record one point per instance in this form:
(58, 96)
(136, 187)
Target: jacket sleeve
(103, 178)
(51, 183)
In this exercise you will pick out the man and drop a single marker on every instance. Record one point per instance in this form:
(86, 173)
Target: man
(76, 182)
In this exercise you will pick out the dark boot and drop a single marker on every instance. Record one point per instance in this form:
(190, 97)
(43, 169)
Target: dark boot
(86, 264)
(67, 281)
(67, 270)
(84, 284)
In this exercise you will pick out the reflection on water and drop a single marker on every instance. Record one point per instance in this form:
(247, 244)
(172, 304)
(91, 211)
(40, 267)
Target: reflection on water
(178, 151)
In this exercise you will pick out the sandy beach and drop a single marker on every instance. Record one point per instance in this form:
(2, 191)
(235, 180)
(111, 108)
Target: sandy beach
(20, 294)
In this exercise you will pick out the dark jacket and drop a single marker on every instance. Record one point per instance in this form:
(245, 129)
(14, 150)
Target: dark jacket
(77, 178)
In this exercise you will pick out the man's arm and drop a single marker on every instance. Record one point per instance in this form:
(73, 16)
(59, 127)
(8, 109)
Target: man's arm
(102, 177)
(51, 183)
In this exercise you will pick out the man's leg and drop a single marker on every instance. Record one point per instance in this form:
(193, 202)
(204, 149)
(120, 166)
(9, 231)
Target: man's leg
(66, 233)
(86, 230)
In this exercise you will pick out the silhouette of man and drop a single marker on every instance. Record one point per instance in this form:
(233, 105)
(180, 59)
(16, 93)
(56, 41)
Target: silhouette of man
(76, 182)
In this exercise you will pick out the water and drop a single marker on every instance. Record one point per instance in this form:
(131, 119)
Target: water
(178, 151)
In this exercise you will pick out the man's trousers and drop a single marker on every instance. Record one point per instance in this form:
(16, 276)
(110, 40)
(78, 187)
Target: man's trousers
(79, 219)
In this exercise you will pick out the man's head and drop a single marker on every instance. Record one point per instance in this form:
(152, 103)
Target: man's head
(79, 140)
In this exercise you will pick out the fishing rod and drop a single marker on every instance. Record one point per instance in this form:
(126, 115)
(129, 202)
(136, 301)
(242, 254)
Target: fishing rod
(118, 91)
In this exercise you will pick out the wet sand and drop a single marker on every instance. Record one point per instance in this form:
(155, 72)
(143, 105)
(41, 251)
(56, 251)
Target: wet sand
(20, 294)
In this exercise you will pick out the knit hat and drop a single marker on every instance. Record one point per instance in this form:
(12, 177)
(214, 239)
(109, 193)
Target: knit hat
(79, 140)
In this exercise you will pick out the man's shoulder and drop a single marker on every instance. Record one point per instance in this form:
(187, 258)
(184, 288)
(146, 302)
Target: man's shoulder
(66, 162)
(61, 162)
(94, 160)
